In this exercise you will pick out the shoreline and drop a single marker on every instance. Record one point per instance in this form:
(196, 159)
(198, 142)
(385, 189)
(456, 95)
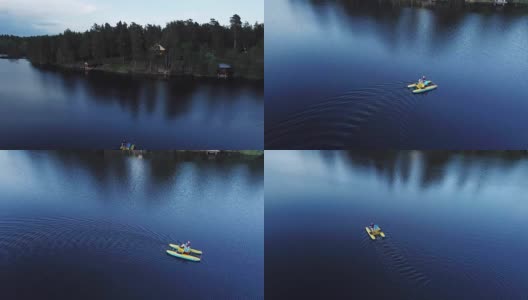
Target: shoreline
(464, 2)
(128, 70)
(510, 5)
(451, 5)
(245, 154)
(252, 153)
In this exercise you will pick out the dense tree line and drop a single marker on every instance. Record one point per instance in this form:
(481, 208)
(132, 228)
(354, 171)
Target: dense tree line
(190, 47)
(13, 46)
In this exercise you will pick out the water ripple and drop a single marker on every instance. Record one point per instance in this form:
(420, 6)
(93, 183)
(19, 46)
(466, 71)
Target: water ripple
(22, 237)
(344, 120)
(395, 260)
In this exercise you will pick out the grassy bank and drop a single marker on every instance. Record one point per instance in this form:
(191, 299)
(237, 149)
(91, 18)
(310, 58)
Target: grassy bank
(245, 65)
(144, 68)
(191, 154)
(451, 4)
(491, 2)
(251, 152)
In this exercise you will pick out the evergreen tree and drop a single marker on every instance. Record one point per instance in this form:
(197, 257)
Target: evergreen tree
(190, 47)
(236, 23)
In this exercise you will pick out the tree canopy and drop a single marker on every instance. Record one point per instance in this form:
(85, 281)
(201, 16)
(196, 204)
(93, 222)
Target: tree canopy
(186, 42)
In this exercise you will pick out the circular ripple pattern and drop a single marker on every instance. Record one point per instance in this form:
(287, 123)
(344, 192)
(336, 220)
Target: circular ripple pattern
(348, 120)
(22, 237)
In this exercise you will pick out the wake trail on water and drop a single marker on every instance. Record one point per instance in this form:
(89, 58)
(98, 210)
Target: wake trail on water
(342, 120)
(23, 237)
(430, 273)
(400, 269)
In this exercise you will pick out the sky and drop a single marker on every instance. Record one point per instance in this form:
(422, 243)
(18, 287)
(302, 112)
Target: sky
(29, 17)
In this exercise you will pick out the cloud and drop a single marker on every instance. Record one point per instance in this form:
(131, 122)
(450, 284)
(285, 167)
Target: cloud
(11, 25)
(46, 9)
(49, 15)
(48, 26)
(47, 23)
(54, 16)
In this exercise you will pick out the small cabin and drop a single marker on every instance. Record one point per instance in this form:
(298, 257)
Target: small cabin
(158, 49)
(224, 71)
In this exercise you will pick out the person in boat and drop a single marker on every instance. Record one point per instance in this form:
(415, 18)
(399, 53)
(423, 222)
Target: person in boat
(425, 81)
(186, 247)
(422, 82)
(125, 145)
(374, 228)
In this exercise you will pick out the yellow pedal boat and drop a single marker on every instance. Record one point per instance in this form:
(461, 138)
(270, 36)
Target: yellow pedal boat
(373, 234)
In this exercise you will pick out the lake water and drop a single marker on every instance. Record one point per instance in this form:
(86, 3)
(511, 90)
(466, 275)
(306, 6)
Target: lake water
(337, 71)
(81, 225)
(51, 109)
(455, 225)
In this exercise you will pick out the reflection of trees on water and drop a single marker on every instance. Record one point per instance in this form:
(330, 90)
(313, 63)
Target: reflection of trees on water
(453, 5)
(397, 26)
(135, 93)
(91, 161)
(109, 168)
(433, 167)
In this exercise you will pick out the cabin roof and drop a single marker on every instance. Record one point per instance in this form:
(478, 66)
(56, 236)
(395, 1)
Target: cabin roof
(158, 47)
(224, 66)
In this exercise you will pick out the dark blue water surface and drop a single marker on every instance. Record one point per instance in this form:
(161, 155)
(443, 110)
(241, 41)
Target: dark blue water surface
(455, 225)
(52, 109)
(79, 225)
(337, 71)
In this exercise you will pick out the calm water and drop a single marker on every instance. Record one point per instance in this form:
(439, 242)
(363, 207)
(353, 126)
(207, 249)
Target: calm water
(336, 76)
(77, 225)
(455, 224)
(47, 109)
